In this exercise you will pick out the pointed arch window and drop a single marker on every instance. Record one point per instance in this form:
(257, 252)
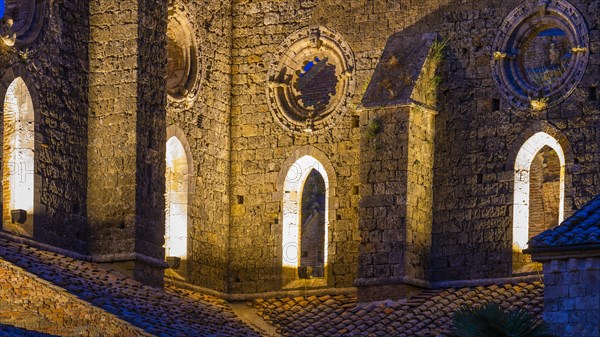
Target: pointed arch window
(18, 159)
(305, 219)
(176, 199)
(539, 192)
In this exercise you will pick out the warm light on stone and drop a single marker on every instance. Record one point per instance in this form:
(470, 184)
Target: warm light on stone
(292, 194)
(176, 199)
(522, 185)
(18, 159)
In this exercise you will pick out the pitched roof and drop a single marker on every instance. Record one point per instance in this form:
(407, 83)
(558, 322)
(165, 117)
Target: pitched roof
(583, 228)
(427, 315)
(169, 312)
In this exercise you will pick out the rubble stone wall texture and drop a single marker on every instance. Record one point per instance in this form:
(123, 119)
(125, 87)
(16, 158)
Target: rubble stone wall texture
(383, 209)
(126, 125)
(473, 184)
(112, 125)
(101, 137)
(572, 296)
(260, 146)
(419, 192)
(53, 68)
(151, 134)
(204, 120)
(30, 303)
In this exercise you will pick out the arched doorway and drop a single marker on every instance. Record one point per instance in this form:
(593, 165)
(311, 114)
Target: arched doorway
(539, 193)
(18, 159)
(176, 208)
(305, 220)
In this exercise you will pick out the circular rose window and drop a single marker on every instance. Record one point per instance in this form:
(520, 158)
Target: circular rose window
(540, 54)
(22, 22)
(182, 58)
(310, 80)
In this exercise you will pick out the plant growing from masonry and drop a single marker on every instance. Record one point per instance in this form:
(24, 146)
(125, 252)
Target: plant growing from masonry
(539, 104)
(373, 129)
(433, 79)
(492, 321)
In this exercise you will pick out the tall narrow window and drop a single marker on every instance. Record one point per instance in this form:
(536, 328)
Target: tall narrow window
(312, 236)
(176, 202)
(544, 191)
(539, 193)
(18, 160)
(305, 220)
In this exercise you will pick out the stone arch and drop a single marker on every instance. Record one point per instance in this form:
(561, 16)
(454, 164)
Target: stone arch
(20, 182)
(531, 180)
(178, 191)
(522, 181)
(290, 185)
(18, 161)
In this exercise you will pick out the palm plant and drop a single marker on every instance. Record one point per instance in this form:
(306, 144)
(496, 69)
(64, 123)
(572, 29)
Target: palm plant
(491, 321)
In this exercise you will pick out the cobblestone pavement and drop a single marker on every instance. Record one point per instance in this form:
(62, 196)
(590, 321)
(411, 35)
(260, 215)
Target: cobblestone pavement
(428, 314)
(165, 313)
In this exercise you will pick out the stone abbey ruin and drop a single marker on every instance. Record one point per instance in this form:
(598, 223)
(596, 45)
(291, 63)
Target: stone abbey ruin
(253, 149)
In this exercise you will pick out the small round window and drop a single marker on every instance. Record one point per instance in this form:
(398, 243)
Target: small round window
(546, 58)
(540, 54)
(22, 22)
(310, 80)
(182, 58)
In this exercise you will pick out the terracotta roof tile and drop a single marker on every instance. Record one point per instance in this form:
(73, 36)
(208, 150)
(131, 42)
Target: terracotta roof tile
(343, 316)
(581, 228)
(169, 312)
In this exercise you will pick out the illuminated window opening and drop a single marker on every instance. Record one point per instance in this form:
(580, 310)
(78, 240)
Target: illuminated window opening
(176, 199)
(538, 150)
(296, 254)
(18, 159)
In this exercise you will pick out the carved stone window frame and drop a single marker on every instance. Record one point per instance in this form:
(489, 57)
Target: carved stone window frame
(186, 37)
(301, 46)
(520, 26)
(23, 22)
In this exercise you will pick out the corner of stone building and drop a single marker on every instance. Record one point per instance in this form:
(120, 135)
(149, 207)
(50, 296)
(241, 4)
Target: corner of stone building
(571, 292)
(126, 123)
(397, 158)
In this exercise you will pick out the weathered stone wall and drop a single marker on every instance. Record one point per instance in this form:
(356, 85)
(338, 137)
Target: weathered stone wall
(112, 136)
(473, 185)
(54, 70)
(150, 135)
(126, 125)
(544, 192)
(110, 172)
(572, 296)
(204, 120)
(31, 303)
(419, 191)
(260, 147)
(383, 209)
